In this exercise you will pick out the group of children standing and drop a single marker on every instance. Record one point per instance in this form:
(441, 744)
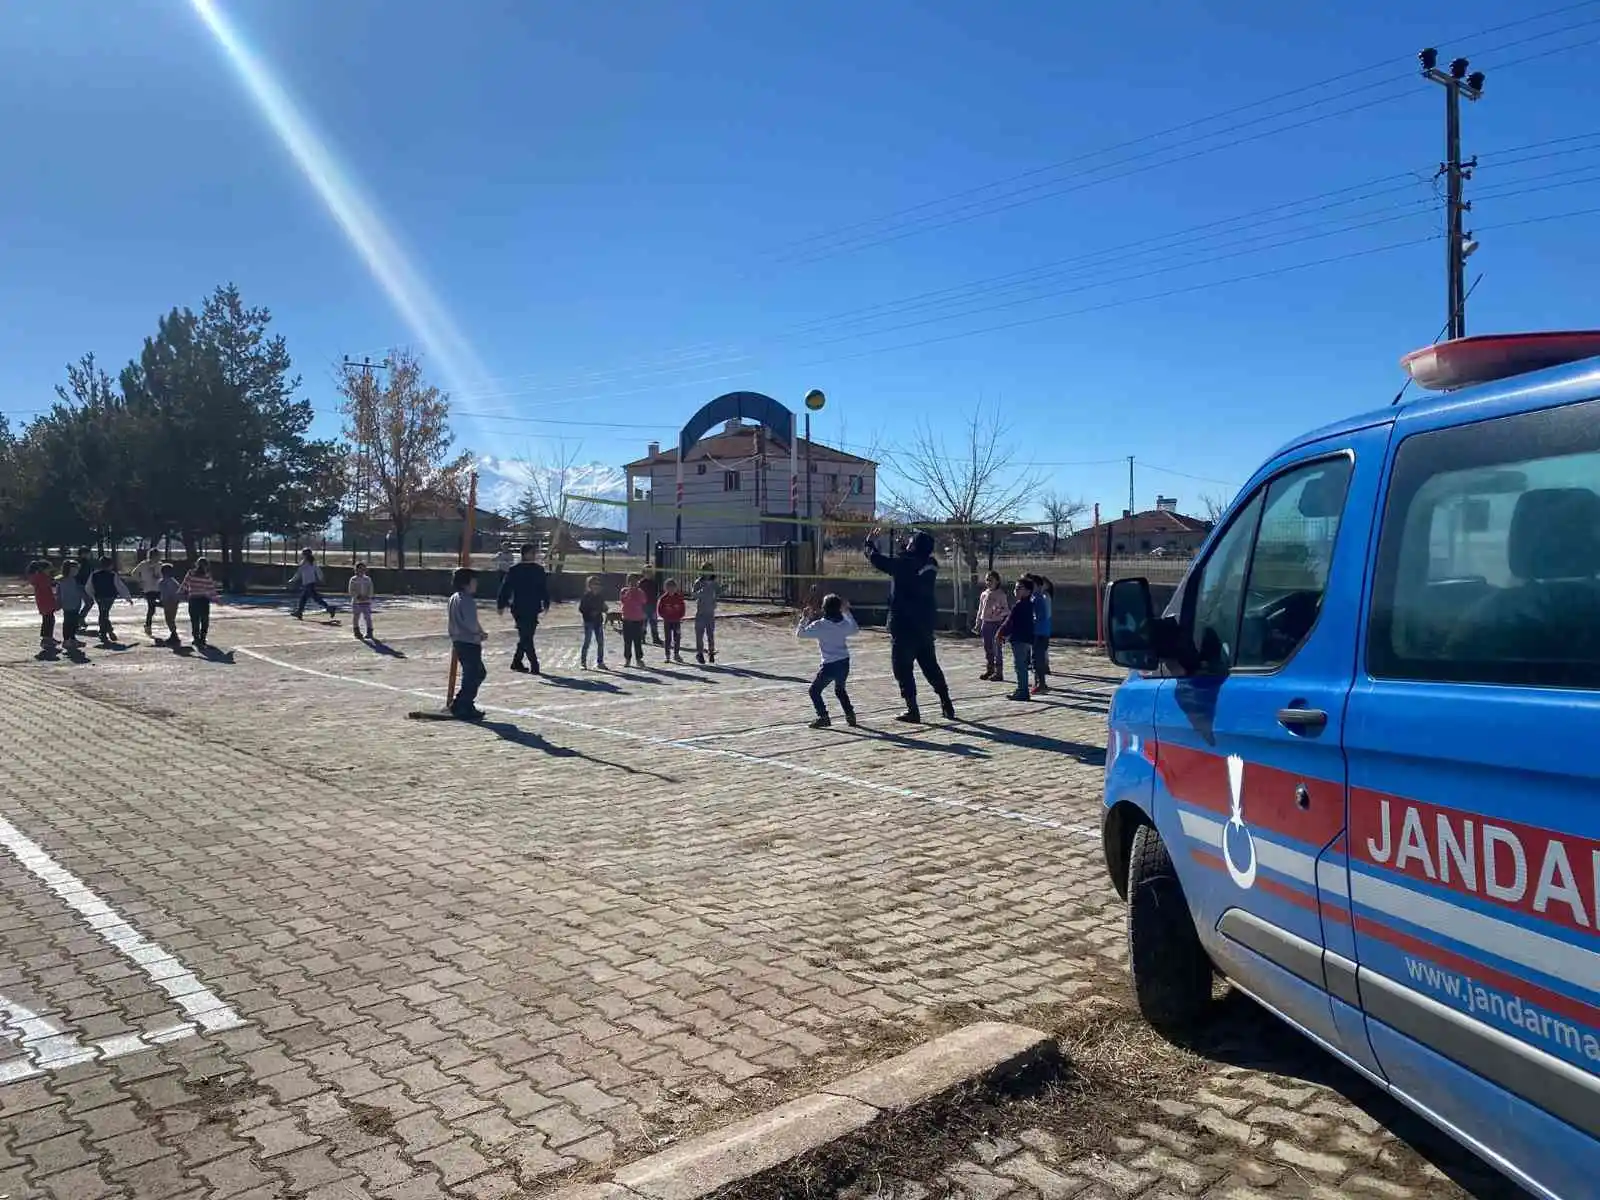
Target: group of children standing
(1023, 622)
(641, 608)
(527, 596)
(80, 589)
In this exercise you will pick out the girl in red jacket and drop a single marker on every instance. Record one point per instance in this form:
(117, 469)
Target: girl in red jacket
(671, 609)
(44, 599)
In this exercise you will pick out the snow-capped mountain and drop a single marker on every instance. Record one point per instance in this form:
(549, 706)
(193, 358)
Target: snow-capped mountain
(501, 482)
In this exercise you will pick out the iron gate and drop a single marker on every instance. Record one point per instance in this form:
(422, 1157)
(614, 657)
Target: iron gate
(767, 573)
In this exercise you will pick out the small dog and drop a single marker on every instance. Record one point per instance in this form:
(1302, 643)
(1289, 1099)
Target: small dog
(614, 620)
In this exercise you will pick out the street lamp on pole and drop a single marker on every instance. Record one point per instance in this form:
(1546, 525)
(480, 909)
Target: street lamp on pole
(815, 399)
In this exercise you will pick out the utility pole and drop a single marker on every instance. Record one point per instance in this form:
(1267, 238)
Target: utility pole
(1130, 485)
(1458, 243)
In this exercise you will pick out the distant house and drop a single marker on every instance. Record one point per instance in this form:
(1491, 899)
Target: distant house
(436, 528)
(1155, 531)
(573, 537)
(736, 490)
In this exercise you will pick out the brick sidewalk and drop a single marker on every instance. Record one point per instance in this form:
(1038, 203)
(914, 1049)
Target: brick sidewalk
(479, 961)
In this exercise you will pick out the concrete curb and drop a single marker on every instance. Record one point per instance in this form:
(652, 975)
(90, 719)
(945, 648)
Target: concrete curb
(990, 1053)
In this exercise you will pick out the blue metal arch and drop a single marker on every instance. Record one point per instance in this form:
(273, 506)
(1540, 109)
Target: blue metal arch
(754, 406)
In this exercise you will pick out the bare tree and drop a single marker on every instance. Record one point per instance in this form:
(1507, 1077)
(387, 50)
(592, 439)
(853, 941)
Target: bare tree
(549, 500)
(974, 485)
(1215, 505)
(1060, 516)
(400, 430)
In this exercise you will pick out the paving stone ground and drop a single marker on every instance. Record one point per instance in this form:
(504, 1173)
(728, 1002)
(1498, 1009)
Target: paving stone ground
(483, 961)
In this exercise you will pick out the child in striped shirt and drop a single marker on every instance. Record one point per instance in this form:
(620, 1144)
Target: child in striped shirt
(201, 590)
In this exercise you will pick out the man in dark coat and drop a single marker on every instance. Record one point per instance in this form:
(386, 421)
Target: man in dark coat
(526, 592)
(913, 613)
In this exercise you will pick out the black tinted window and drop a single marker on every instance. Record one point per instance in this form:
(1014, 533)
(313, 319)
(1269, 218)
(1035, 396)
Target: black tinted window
(1293, 555)
(1489, 557)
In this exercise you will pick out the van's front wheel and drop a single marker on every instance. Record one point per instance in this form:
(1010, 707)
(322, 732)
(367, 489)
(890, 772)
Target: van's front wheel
(1170, 968)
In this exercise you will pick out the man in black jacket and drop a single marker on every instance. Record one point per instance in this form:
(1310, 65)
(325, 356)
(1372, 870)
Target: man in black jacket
(913, 612)
(526, 592)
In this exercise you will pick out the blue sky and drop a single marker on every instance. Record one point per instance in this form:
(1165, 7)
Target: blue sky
(624, 209)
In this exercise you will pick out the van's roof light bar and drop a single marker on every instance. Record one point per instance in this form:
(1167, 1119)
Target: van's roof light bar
(1464, 361)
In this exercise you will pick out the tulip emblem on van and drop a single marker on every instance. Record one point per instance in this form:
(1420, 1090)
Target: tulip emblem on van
(1237, 844)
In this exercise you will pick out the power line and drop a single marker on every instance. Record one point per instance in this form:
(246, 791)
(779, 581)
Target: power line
(1097, 258)
(1183, 127)
(933, 221)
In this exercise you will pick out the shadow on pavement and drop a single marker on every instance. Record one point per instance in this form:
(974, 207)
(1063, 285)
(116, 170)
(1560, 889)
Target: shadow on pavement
(384, 649)
(1238, 1032)
(752, 673)
(1094, 756)
(960, 749)
(579, 684)
(533, 740)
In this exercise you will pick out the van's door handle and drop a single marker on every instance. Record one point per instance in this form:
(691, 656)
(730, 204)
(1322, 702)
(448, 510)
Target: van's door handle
(1307, 720)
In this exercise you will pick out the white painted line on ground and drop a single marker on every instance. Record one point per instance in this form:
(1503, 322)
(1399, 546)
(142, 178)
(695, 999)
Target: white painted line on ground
(754, 760)
(981, 703)
(48, 1047)
(164, 970)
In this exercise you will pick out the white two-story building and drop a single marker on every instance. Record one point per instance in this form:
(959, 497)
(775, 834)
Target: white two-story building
(736, 490)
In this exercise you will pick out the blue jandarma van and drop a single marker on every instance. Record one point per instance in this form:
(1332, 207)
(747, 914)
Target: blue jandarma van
(1356, 765)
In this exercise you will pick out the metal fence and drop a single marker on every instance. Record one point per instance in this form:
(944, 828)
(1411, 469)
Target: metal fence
(743, 572)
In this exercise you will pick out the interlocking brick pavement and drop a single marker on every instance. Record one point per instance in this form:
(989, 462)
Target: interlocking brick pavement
(478, 961)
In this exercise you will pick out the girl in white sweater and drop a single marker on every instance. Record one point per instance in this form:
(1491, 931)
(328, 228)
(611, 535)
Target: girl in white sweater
(831, 630)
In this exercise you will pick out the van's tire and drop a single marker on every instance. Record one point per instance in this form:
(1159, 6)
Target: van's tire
(1170, 968)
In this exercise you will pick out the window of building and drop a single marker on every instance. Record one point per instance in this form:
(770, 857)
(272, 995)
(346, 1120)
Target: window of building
(858, 485)
(730, 481)
(833, 483)
(1489, 557)
(700, 469)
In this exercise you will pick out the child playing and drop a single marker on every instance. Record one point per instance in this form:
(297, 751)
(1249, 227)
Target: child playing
(705, 614)
(633, 603)
(671, 608)
(148, 576)
(1018, 630)
(467, 636)
(993, 606)
(71, 598)
(831, 630)
(308, 578)
(170, 591)
(649, 585)
(592, 610)
(106, 586)
(201, 590)
(360, 600)
(44, 599)
(1043, 602)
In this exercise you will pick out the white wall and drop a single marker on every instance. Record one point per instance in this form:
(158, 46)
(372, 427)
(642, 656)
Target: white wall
(714, 516)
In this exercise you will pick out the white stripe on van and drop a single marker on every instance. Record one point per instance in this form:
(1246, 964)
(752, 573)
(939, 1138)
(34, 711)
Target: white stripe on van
(1517, 943)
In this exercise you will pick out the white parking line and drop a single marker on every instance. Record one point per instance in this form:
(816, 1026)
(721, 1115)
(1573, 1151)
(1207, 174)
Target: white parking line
(48, 1047)
(164, 970)
(754, 760)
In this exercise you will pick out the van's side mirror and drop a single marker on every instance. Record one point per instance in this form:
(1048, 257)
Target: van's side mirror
(1131, 625)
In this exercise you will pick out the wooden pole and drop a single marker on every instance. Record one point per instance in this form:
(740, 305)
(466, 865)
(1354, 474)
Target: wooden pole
(466, 561)
(1099, 601)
